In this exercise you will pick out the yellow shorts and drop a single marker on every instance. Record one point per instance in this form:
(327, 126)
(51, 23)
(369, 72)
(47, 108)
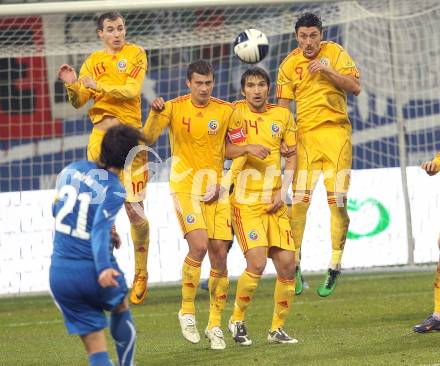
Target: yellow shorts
(135, 182)
(326, 149)
(213, 217)
(254, 227)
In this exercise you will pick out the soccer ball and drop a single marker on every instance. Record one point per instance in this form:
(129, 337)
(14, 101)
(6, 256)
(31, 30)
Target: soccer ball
(251, 46)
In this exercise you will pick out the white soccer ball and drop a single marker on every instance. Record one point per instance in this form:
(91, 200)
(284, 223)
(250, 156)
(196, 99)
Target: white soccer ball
(251, 46)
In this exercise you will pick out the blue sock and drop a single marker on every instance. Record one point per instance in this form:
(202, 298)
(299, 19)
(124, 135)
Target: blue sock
(124, 334)
(100, 359)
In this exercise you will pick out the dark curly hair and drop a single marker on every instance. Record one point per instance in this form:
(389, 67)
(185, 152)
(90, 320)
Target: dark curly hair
(308, 20)
(117, 143)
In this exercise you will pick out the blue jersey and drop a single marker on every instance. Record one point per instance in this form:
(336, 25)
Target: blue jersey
(87, 201)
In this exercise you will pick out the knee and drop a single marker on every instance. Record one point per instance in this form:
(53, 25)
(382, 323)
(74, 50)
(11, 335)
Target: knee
(257, 266)
(219, 251)
(123, 306)
(287, 271)
(198, 251)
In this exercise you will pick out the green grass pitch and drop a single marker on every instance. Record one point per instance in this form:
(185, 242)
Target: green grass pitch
(367, 321)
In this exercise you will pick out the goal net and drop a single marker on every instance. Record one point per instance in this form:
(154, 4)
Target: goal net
(396, 119)
(395, 44)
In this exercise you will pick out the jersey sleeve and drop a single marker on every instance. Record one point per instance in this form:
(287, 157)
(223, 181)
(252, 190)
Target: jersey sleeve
(290, 131)
(102, 225)
(437, 160)
(285, 86)
(137, 67)
(236, 133)
(78, 94)
(345, 64)
(157, 122)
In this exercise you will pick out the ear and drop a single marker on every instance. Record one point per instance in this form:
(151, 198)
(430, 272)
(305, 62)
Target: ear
(99, 32)
(188, 84)
(242, 93)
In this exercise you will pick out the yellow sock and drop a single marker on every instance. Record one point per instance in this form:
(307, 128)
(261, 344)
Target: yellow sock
(336, 259)
(218, 293)
(301, 203)
(246, 286)
(141, 238)
(191, 270)
(339, 222)
(283, 296)
(437, 291)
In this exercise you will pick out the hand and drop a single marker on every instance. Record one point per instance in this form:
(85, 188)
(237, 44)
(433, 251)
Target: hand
(107, 278)
(115, 238)
(430, 167)
(158, 104)
(258, 151)
(277, 203)
(213, 193)
(88, 82)
(316, 66)
(285, 152)
(67, 74)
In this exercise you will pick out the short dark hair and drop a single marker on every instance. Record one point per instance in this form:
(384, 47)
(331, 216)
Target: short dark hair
(308, 20)
(117, 143)
(111, 15)
(256, 72)
(201, 67)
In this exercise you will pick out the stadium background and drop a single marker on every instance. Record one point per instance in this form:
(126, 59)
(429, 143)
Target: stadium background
(395, 124)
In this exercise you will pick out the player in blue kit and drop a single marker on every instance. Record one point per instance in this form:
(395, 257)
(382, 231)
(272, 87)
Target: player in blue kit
(84, 277)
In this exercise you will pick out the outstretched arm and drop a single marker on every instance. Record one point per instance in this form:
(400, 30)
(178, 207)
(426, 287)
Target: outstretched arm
(158, 119)
(78, 94)
(432, 167)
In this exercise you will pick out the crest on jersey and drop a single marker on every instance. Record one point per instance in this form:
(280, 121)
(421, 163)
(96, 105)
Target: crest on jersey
(276, 130)
(324, 61)
(213, 126)
(253, 235)
(190, 219)
(122, 65)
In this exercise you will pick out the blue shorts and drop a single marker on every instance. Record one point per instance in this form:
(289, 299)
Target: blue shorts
(80, 298)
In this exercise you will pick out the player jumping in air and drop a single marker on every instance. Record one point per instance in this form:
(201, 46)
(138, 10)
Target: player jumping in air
(112, 78)
(318, 75)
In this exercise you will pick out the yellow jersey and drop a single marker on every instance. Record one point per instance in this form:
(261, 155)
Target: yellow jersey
(318, 101)
(197, 138)
(263, 176)
(119, 79)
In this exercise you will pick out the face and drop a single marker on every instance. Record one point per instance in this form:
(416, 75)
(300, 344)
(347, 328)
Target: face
(113, 34)
(256, 91)
(201, 88)
(309, 40)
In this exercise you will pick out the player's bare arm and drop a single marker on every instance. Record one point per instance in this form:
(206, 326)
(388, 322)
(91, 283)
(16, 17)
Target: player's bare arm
(233, 151)
(289, 170)
(284, 150)
(430, 167)
(348, 83)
